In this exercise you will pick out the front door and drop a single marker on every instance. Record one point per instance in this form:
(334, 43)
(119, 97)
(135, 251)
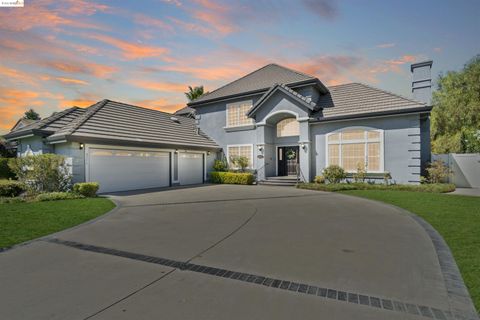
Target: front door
(287, 158)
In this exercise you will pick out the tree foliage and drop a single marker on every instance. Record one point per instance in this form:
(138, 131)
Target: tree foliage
(455, 126)
(194, 93)
(32, 115)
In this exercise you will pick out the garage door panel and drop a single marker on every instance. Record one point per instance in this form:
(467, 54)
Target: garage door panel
(190, 168)
(119, 170)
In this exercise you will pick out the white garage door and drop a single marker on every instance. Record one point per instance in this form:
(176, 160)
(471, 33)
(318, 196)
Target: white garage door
(121, 170)
(190, 168)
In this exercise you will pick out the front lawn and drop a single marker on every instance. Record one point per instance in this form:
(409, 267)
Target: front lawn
(455, 217)
(20, 222)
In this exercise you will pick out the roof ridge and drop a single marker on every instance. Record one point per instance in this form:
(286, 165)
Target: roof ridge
(46, 121)
(293, 70)
(140, 107)
(72, 126)
(391, 93)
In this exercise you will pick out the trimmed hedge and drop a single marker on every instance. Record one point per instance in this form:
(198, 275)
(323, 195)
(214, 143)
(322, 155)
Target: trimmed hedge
(5, 171)
(434, 187)
(87, 189)
(231, 178)
(52, 196)
(11, 188)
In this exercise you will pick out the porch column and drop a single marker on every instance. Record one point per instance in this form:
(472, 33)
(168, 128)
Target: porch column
(260, 152)
(304, 150)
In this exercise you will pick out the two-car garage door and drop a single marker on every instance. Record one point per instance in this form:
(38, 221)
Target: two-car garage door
(120, 170)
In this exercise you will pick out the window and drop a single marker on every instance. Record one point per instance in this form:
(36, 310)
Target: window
(240, 151)
(352, 148)
(288, 127)
(237, 114)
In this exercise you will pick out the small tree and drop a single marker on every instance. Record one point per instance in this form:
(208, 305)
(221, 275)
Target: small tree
(437, 172)
(219, 166)
(42, 173)
(334, 174)
(194, 93)
(240, 162)
(32, 115)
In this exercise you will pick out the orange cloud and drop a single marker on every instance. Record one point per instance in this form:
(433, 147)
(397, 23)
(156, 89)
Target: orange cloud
(82, 103)
(129, 50)
(71, 81)
(160, 105)
(16, 75)
(98, 70)
(13, 103)
(160, 86)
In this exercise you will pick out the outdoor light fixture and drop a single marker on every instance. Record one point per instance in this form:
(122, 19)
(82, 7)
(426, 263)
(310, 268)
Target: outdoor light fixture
(208, 153)
(81, 145)
(303, 145)
(260, 148)
(176, 150)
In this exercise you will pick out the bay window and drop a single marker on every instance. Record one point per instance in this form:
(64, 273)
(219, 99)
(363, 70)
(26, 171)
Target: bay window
(353, 148)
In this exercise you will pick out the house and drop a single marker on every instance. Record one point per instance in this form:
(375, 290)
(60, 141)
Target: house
(284, 121)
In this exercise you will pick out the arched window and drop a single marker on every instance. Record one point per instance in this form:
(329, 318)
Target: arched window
(352, 147)
(288, 127)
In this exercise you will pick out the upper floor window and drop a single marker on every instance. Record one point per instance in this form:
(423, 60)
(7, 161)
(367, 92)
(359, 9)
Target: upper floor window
(353, 148)
(237, 114)
(288, 127)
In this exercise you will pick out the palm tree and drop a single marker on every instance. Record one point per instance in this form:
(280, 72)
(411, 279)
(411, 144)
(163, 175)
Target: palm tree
(194, 93)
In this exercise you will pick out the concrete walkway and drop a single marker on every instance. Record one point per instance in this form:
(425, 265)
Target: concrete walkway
(231, 252)
(474, 192)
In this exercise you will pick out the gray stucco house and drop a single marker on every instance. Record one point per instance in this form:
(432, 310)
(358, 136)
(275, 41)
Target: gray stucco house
(284, 121)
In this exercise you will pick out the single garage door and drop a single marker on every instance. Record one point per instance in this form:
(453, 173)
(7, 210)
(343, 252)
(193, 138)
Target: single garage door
(121, 170)
(190, 168)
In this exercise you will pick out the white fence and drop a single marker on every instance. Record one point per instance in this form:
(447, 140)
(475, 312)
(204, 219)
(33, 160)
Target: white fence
(465, 168)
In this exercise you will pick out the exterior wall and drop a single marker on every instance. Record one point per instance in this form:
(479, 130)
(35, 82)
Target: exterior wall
(32, 146)
(75, 159)
(401, 145)
(278, 102)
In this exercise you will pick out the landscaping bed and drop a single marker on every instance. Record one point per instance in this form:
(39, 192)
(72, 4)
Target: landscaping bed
(433, 187)
(20, 222)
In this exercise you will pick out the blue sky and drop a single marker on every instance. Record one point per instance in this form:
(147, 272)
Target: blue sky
(56, 54)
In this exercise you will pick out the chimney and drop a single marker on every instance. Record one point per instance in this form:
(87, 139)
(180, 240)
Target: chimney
(422, 81)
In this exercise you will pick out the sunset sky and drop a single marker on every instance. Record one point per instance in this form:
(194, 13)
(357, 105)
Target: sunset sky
(57, 54)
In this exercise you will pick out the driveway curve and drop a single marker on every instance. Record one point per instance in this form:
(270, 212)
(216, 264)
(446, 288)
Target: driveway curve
(236, 252)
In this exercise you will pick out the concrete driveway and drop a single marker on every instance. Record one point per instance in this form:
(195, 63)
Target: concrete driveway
(232, 252)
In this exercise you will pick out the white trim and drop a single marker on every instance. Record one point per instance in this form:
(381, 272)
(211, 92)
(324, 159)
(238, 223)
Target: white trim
(365, 140)
(264, 122)
(369, 117)
(21, 137)
(233, 104)
(241, 145)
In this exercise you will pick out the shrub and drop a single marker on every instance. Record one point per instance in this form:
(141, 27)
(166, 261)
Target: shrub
(360, 175)
(5, 171)
(42, 173)
(231, 178)
(434, 188)
(387, 177)
(52, 196)
(11, 188)
(319, 179)
(437, 172)
(240, 162)
(334, 174)
(87, 189)
(219, 165)
(12, 200)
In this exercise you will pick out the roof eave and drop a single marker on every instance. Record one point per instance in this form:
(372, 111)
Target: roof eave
(26, 134)
(425, 109)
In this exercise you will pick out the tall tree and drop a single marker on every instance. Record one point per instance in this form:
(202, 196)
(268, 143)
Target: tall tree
(194, 93)
(456, 110)
(32, 115)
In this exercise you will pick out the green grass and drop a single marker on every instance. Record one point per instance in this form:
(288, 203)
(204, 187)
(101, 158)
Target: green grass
(455, 217)
(20, 222)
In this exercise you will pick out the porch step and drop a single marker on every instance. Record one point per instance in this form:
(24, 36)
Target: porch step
(286, 181)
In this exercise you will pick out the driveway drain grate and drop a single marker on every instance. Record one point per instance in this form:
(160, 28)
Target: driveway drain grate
(302, 288)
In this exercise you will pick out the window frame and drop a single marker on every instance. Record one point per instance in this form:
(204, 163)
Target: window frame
(237, 104)
(365, 142)
(238, 146)
(290, 135)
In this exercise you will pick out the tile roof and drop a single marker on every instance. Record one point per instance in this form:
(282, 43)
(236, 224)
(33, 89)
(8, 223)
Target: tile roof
(50, 124)
(22, 123)
(185, 111)
(306, 101)
(352, 99)
(260, 79)
(124, 123)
